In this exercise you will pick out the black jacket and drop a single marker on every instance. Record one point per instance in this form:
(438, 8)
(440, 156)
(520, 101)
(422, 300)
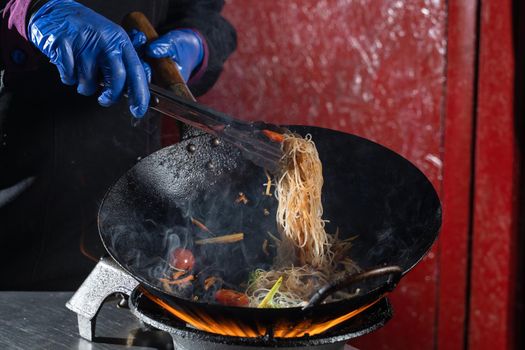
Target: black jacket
(60, 152)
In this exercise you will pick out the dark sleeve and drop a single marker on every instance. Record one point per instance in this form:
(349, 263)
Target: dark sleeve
(15, 13)
(13, 36)
(219, 35)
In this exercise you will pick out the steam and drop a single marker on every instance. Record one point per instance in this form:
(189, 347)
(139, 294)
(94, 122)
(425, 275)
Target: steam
(146, 244)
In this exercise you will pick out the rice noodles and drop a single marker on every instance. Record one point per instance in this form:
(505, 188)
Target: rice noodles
(307, 256)
(298, 282)
(299, 214)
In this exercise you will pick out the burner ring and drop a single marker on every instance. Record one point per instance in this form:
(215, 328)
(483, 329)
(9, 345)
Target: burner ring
(152, 315)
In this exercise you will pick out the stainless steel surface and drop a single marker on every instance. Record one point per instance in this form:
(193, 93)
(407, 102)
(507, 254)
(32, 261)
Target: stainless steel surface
(181, 343)
(106, 279)
(40, 320)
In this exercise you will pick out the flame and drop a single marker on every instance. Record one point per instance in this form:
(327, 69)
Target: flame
(307, 328)
(204, 322)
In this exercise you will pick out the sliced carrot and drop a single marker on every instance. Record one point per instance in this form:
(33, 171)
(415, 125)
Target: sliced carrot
(200, 225)
(184, 280)
(242, 198)
(230, 297)
(274, 136)
(234, 237)
(210, 281)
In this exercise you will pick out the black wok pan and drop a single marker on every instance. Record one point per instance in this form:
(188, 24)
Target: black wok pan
(369, 192)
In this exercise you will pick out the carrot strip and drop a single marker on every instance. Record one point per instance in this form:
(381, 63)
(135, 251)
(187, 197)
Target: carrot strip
(234, 237)
(242, 198)
(179, 281)
(210, 281)
(200, 225)
(274, 136)
(178, 274)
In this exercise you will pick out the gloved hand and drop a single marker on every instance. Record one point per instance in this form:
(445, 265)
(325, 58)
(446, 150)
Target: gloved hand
(184, 46)
(82, 43)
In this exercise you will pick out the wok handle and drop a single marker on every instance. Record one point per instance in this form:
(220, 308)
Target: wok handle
(165, 71)
(394, 273)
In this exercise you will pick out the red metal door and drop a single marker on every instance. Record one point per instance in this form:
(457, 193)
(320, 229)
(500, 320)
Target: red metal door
(402, 73)
(496, 173)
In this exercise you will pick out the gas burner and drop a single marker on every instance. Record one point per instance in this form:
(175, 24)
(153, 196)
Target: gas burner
(186, 337)
(108, 278)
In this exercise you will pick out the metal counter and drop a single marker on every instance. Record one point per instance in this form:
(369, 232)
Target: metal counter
(40, 320)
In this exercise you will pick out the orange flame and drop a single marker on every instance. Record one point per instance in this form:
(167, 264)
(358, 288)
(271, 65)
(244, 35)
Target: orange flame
(204, 322)
(307, 328)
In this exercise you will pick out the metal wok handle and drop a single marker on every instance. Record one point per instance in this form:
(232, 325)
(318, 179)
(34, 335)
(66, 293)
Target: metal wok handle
(394, 272)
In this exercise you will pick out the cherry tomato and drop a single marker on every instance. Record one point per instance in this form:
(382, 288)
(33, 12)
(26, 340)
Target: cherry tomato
(230, 297)
(182, 259)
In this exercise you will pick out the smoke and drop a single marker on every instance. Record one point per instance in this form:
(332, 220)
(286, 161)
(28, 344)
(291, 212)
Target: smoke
(161, 222)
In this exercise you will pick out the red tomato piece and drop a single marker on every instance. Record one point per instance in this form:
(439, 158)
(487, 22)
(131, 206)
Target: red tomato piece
(230, 297)
(182, 259)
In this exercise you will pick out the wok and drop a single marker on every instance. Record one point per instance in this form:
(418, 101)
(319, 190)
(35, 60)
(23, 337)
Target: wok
(369, 192)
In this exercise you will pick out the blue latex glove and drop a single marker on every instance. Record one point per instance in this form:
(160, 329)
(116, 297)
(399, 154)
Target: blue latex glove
(183, 46)
(138, 39)
(85, 45)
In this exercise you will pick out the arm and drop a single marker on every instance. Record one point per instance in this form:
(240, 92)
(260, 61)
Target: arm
(17, 53)
(220, 39)
(15, 15)
(82, 45)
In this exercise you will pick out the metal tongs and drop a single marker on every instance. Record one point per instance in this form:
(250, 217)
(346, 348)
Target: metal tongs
(259, 142)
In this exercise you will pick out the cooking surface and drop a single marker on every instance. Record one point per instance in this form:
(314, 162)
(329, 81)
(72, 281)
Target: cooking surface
(39, 320)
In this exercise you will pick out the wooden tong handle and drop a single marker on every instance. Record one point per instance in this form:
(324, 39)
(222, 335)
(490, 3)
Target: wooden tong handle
(164, 71)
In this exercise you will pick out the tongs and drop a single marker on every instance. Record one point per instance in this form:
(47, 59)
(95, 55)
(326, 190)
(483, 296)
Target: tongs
(259, 142)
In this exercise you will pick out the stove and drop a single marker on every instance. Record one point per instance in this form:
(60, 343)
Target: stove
(108, 279)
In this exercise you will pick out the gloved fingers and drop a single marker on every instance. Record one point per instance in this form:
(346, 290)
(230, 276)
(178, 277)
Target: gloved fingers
(114, 76)
(161, 48)
(184, 46)
(87, 71)
(64, 59)
(138, 39)
(137, 81)
(147, 70)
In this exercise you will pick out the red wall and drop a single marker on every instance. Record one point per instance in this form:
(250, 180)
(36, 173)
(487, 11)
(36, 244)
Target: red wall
(497, 167)
(372, 68)
(434, 81)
